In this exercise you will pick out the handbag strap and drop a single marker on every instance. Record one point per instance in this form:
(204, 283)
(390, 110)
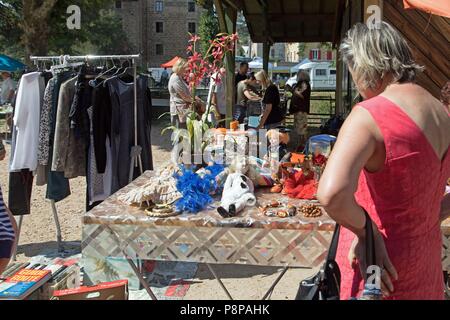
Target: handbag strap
(370, 241)
(334, 244)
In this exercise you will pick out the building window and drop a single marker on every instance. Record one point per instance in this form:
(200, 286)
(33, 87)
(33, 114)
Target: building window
(191, 6)
(329, 55)
(321, 72)
(191, 27)
(119, 4)
(314, 54)
(159, 27)
(159, 49)
(159, 6)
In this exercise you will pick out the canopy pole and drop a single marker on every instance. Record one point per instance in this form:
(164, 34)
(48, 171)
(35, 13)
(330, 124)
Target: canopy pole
(266, 51)
(227, 24)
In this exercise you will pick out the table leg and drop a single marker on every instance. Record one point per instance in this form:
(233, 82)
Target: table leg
(133, 266)
(220, 281)
(19, 229)
(141, 278)
(58, 226)
(269, 292)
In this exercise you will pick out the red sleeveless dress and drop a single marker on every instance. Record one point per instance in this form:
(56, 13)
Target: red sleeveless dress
(403, 199)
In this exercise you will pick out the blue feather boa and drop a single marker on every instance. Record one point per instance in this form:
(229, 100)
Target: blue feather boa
(196, 190)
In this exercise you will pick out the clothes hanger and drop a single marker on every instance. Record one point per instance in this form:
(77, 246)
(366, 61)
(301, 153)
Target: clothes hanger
(128, 71)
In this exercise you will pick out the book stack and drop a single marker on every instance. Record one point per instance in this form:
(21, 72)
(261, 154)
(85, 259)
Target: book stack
(24, 282)
(38, 282)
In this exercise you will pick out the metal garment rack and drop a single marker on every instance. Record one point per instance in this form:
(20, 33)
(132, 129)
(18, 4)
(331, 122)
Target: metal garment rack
(66, 60)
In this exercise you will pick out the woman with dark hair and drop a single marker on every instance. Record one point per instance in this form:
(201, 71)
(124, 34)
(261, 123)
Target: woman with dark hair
(300, 106)
(391, 160)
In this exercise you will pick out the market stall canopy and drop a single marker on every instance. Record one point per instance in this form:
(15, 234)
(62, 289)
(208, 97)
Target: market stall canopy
(257, 63)
(289, 20)
(171, 63)
(437, 7)
(297, 66)
(9, 64)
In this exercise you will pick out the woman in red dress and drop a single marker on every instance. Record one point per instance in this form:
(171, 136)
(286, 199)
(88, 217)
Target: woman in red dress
(391, 159)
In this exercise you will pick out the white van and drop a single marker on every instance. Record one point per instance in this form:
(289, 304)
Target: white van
(322, 75)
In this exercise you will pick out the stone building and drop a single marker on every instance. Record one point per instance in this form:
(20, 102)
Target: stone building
(314, 51)
(158, 29)
(277, 51)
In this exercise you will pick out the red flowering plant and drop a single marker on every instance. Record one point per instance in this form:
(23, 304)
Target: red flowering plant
(200, 67)
(210, 65)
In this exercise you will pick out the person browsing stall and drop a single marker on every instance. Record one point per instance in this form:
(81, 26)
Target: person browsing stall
(391, 160)
(242, 73)
(245, 92)
(272, 115)
(300, 106)
(180, 95)
(7, 88)
(219, 96)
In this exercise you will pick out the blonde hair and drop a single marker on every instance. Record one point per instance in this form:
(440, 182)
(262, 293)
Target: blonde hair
(263, 78)
(303, 75)
(179, 65)
(374, 53)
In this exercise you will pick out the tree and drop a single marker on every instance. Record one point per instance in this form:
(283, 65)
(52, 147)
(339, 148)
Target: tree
(301, 50)
(35, 27)
(208, 27)
(38, 27)
(9, 20)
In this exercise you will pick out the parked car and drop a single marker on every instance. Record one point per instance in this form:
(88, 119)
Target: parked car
(322, 75)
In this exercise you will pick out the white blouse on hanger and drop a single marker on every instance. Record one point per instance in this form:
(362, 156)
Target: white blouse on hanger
(26, 121)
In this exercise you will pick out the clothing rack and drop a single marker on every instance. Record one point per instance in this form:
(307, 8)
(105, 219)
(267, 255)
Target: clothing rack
(136, 150)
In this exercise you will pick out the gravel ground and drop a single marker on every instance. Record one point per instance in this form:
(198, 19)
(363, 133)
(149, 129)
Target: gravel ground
(39, 234)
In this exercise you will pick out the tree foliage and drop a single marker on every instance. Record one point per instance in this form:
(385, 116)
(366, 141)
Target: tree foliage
(39, 27)
(301, 50)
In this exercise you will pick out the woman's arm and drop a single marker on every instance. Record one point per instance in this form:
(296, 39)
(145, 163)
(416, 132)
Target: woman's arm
(267, 110)
(354, 147)
(445, 207)
(251, 96)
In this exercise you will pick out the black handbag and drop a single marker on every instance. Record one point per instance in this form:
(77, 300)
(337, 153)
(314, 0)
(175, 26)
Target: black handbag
(325, 285)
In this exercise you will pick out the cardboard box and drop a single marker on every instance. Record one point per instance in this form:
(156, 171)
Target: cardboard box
(116, 290)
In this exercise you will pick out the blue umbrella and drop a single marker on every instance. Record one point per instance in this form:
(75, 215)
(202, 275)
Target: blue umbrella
(9, 64)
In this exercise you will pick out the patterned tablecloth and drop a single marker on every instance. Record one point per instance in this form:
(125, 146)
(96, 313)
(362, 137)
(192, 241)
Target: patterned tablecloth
(113, 228)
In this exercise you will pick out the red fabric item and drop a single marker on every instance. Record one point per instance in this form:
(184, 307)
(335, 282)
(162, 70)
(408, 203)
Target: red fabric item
(299, 186)
(437, 7)
(403, 199)
(319, 160)
(171, 63)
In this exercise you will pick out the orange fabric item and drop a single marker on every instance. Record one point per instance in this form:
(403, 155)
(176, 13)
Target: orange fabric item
(297, 157)
(170, 64)
(299, 186)
(437, 7)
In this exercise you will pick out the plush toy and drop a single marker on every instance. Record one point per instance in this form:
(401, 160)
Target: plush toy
(238, 192)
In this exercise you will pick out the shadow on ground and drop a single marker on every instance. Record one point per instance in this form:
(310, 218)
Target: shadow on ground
(225, 271)
(49, 249)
